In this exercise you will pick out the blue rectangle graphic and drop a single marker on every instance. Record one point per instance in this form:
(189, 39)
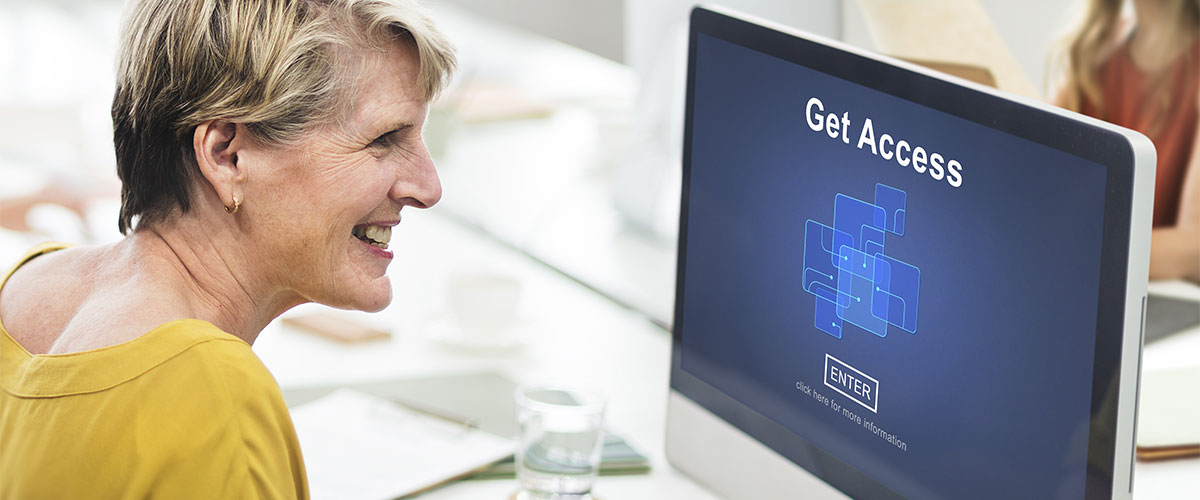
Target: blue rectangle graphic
(858, 312)
(820, 254)
(872, 239)
(851, 214)
(826, 318)
(854, 261)
(846, 270)
(893, 202)
(895, 296)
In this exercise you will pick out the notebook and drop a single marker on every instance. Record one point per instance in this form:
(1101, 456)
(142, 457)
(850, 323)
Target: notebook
(486, 400)
(357, 446)
(1170, 408)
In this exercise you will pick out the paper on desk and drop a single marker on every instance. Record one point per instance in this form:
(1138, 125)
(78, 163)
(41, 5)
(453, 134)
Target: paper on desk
(1170, 408)
(358, 446)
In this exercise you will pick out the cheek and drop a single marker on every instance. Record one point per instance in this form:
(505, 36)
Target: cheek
(348, 181)
(326, 189)
(299, 218)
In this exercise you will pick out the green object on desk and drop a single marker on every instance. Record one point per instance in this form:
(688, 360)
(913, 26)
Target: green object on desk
(617, 458)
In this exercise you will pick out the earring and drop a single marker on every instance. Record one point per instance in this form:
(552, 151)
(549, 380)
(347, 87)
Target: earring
(236, 205)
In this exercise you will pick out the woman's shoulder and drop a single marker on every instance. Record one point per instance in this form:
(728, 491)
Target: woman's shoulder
(222, 357)
(190, 369)
(215, 415)
(63, 300)
(191, 405)
(41, 258)
(213, 359)
(39, 290)
(241, 418)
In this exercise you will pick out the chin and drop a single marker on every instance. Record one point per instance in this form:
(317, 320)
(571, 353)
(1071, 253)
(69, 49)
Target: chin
(372, 297)
(376, 307)
(376, 300)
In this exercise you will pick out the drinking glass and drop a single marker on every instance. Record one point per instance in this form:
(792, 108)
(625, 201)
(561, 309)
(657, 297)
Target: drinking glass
(562, 432)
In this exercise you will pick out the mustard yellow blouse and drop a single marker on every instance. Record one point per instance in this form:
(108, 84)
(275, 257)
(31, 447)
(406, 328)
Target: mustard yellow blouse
(184, 411)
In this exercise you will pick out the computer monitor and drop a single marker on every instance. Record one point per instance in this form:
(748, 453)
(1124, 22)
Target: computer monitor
(895, 284)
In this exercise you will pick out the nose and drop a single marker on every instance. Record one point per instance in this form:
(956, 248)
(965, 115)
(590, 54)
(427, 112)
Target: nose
(417, 183)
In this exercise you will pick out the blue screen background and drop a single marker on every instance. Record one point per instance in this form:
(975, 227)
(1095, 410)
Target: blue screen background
(992, 393)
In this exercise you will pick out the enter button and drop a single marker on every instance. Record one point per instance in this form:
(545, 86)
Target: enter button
(852, 383)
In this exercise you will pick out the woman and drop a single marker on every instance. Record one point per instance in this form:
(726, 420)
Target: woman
(1145, 75)
(266, 149)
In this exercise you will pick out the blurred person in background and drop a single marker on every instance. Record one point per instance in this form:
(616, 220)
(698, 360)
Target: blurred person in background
(1141, 70)
(265, 150)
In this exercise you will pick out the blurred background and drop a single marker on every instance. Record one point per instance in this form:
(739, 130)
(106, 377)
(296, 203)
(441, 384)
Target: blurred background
(558, 145)
(560, 137)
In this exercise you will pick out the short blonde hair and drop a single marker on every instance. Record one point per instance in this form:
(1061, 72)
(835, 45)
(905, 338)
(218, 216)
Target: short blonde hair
(279, 67)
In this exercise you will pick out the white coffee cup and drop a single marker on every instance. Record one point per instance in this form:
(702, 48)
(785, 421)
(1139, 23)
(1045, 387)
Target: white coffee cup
(483, 304)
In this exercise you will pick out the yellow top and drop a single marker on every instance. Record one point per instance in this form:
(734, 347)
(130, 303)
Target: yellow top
(184, 411)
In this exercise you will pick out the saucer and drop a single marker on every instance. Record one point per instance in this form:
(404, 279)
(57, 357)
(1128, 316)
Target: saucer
(445, 330)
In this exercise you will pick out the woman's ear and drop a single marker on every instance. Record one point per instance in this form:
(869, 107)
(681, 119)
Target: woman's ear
(217, 143)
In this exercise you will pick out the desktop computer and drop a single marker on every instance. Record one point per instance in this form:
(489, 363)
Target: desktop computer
(895, 284)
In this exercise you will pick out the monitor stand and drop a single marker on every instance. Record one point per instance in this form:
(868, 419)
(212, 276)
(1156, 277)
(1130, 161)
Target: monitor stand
(701, 444)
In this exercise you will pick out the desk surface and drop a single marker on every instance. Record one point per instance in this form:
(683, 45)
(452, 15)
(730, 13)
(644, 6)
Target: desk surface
(574, 336)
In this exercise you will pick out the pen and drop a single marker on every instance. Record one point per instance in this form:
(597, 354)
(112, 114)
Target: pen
(468, 423)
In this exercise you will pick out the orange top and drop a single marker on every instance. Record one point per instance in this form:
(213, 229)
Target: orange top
(1131, 100)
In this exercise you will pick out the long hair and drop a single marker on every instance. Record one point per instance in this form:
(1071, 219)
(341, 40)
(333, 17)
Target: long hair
(1103, 29)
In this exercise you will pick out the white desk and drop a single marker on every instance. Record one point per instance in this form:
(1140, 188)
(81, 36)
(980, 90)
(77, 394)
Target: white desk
(577, 337)
(580, 338)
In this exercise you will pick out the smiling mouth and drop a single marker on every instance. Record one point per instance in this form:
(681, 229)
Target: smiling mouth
(374, 235)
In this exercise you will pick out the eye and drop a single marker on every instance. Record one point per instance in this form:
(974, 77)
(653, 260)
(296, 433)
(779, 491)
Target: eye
(391, 138)
(384, 140)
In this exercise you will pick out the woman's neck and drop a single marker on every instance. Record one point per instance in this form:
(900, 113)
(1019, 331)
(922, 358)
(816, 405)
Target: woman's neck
(1147, 11)
(208, 276)
(1156, 40)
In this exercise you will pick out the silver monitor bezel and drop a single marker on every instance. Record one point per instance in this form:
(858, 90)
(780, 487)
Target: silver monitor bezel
(730, 461)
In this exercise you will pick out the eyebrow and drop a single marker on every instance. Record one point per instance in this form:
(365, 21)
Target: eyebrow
(397, 126)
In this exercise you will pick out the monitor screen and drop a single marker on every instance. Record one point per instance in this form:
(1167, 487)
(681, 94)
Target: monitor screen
(912, 293)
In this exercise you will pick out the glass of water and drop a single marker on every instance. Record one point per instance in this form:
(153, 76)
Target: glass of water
(562, 432)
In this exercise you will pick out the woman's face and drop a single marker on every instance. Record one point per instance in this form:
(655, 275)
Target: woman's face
(319, 214)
